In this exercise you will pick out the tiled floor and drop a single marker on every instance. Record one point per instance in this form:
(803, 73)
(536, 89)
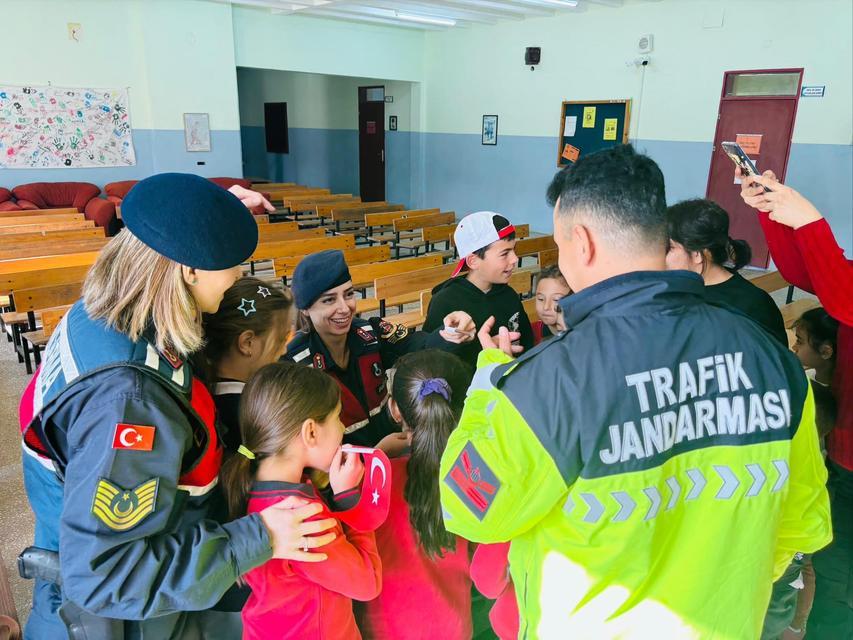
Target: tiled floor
(16, 519)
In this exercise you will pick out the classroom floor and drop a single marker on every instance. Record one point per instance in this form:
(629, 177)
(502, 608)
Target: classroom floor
(16, 519)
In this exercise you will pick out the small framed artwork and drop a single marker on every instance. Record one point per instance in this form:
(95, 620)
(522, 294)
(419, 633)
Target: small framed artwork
(392, 123)
(197, 131)
(490, 130)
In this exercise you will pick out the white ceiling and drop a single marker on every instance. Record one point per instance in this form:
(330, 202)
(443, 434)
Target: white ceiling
(423, 14)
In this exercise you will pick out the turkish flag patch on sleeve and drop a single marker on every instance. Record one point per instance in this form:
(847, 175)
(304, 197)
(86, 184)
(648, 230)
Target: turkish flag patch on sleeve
(133, 436)
(473, 481)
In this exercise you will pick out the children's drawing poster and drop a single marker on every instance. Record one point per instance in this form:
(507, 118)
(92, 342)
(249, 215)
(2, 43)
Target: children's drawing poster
(56, 127)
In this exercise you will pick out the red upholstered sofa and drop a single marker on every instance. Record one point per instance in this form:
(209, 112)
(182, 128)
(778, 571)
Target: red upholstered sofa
(81, 195)
(6, 203)
(116, 191)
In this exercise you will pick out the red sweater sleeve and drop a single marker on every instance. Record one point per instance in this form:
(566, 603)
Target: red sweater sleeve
(490, 569)
(353, 567)
(830, 273)
(785, 252)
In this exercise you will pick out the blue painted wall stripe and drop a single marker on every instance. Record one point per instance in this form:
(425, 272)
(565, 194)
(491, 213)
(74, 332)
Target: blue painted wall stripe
(456, 172)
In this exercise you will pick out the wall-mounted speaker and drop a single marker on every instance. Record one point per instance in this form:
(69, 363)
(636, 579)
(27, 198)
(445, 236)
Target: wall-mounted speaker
(532, 55)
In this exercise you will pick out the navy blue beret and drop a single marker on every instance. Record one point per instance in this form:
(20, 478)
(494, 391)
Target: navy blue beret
(191, 220)
(317, 273)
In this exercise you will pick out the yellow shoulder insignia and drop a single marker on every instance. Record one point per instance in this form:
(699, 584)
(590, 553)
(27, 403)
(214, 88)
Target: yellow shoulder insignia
(122, 509)
(400, 332)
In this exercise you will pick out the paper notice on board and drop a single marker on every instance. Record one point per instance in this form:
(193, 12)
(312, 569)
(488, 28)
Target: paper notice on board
(610, 126)
(588, 117)
(570, 153)
(571, 126)
(750, 143)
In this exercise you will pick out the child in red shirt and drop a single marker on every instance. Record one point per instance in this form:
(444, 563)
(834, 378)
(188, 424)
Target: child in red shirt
(551, 287)
(289, 422)
(427, 588)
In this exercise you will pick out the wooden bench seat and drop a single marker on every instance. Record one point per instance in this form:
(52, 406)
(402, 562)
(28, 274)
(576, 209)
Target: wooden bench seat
(86, 233)
(284, 248)
(46, 226)
(38, 249)
(37, 212)
(284, 266)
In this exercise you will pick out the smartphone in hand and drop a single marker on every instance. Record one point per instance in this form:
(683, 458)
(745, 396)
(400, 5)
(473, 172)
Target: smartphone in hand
(738, 156)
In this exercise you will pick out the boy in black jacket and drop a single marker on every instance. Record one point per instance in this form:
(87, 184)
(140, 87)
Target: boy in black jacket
(486, 244)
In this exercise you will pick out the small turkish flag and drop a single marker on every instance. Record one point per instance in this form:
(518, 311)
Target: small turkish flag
(133, 436)
(372, 507)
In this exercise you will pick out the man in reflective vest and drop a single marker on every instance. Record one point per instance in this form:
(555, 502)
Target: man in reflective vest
(656, 466)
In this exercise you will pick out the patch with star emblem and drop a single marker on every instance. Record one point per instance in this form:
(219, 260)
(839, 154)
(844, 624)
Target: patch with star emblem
(122, 509)
(400, 332)
(364, 334)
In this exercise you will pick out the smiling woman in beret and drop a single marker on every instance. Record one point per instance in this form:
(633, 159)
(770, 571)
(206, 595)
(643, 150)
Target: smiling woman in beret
(356, 352)
(121, 452)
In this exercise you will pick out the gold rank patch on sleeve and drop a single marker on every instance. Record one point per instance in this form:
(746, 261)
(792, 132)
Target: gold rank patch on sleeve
(400, 332)
(122, 509)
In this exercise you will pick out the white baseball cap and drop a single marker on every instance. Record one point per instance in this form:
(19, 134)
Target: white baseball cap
(478, 230)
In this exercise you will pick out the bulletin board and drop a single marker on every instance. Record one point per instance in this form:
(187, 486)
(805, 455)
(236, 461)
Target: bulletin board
(587, 126)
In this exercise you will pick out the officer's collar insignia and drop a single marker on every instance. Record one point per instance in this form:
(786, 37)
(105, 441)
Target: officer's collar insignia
(122, 509)
(172, 358)
(364, 334)
(319, 361)
(473, 482)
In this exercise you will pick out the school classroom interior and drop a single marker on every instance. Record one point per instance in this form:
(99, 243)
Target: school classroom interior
(342, 109)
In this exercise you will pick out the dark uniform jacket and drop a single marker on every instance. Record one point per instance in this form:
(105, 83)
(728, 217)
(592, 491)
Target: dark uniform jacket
(374, 347)
(129, 454)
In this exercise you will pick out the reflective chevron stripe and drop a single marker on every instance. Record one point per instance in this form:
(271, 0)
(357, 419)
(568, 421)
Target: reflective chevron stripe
(626, 501)
(730, 482)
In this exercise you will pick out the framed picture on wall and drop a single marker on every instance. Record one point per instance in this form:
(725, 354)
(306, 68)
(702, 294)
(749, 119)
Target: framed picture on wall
(490, 130)
(197, 131)
(392, 123)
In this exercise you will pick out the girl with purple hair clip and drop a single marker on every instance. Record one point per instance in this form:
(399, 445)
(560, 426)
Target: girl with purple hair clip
(425, 570)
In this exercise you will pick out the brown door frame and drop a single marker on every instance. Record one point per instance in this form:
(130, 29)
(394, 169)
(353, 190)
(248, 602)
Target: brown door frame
(362, 91)
(724, 98)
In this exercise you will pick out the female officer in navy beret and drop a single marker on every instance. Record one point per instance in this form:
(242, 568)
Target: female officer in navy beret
(122, 454)
(353, 351)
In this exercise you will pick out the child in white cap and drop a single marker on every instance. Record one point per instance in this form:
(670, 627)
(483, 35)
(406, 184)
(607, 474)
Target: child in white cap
(486, 244)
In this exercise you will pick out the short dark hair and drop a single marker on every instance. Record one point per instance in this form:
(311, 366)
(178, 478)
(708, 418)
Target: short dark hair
(701, 225)
(820, 327)
(618, 187)
(500, 223)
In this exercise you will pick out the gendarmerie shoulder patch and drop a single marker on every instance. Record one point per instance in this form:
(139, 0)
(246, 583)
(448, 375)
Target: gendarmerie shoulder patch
(386, 329)
(473, 481)
(400, 332)
(122, 509)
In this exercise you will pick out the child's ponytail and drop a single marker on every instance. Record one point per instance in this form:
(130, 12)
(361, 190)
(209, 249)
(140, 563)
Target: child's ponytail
(236, 478)
(429, 388)
(274, 404)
